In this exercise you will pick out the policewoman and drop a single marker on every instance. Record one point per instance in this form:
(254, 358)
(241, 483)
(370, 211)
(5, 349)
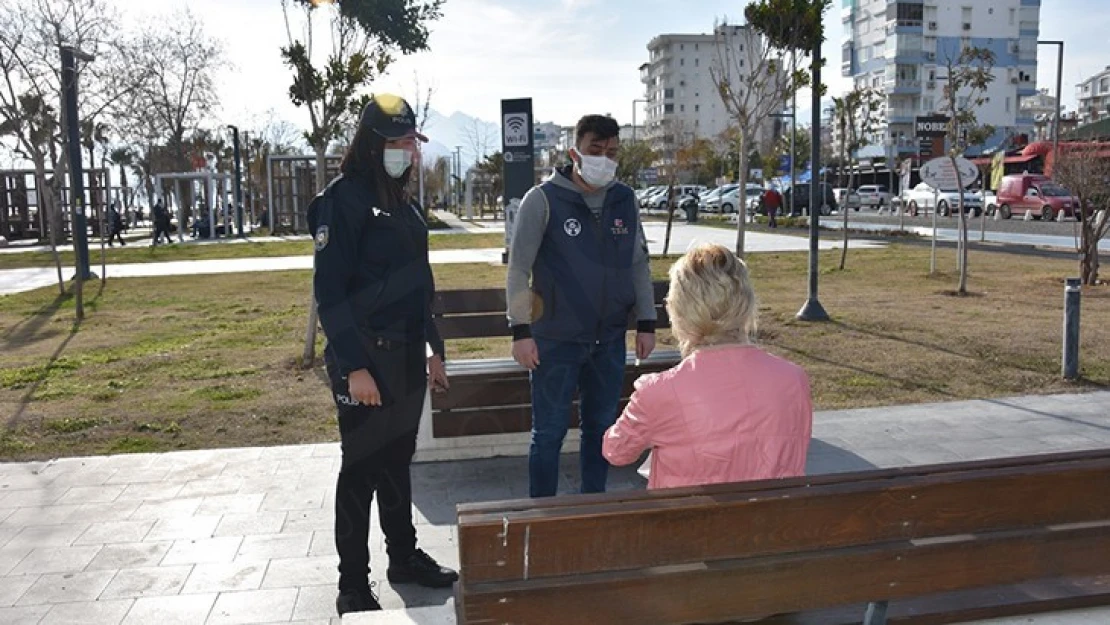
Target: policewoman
(374, 288)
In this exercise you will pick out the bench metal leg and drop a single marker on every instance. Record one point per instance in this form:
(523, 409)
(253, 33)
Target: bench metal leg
(875, 614)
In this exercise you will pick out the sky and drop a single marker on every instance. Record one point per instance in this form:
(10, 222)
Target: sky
(572, 57)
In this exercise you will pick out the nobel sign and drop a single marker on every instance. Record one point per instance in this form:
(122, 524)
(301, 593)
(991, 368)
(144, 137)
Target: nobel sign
(930, 127)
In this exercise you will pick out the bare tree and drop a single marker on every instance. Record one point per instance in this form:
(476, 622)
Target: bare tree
(422, 104)
(30, 97)
(1085, 171)
(480, 137)
(181, 92)
(857, 116)
(968, 78)
(752, 74)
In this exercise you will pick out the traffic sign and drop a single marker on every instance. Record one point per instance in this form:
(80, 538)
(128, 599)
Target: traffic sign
(940, 173)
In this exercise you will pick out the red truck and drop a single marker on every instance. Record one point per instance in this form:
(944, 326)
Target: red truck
(1033, 192)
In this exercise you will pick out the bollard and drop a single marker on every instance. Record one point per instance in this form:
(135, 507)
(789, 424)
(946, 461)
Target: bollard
(1028, 216)
(1072, 293)
(997, 214)
(1060, 217)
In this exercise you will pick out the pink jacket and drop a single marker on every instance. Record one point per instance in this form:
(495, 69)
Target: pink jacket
(725, 414)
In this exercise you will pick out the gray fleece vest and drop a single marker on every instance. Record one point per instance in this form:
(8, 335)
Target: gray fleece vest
(582, 275)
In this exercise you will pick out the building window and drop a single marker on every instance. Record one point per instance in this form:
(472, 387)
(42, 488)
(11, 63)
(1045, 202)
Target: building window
(1007, 104)
(1013, 16)
(697, 108)
(697, 62)
(668, 108)
(682, 62)
(681, 46)
(668, 93)
(1104, 86)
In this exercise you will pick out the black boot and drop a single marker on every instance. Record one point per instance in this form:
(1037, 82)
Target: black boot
(361, 600)
(420, 568)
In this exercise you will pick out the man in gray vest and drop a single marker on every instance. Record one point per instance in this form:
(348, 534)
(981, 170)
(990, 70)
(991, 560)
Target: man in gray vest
(578, 268)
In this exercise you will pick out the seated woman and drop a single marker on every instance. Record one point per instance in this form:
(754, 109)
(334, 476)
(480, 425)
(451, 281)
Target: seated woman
(729, 411)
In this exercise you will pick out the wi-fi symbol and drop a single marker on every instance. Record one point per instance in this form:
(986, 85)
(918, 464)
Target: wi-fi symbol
(515, 124)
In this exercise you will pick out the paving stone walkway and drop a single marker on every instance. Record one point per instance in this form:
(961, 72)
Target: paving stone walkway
(245, 535)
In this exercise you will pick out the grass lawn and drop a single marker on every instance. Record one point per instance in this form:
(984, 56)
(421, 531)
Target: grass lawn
(194, 362)
(141, 251)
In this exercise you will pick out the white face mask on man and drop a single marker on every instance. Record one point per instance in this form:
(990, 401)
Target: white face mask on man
(396, 161)
(597, 171)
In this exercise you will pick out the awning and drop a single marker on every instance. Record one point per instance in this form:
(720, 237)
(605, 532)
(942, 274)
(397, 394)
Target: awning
(1021, 158)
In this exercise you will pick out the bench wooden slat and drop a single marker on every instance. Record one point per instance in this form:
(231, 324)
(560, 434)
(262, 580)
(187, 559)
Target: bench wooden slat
(513, 389)
(756, 587)
(1048, 595)
(479, 511)
(469, 301)
(632, 535)
(492, 325)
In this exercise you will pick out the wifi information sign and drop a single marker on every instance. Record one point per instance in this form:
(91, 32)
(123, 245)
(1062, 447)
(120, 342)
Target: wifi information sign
(518, 172)
(516, 130)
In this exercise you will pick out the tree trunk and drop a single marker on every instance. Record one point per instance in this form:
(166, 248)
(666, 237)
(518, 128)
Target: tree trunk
(670, 214)
(742, 195)
(843, 209)
(1093, 228)
(308, 357)
(49, 203)
(962, 246)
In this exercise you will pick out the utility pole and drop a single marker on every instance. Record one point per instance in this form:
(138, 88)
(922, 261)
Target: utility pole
(238, 182)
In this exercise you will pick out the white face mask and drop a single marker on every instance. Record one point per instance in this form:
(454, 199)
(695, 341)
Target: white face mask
(597, 171)
(396, 161)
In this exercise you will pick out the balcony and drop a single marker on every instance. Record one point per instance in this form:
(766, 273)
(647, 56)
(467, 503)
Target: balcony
(903, 85)
(901, 115)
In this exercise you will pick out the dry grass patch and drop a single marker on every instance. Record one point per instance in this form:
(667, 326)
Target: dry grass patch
(210, 361)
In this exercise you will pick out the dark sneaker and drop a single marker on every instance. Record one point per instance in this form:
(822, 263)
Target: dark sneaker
(420, 568)
(356, 601)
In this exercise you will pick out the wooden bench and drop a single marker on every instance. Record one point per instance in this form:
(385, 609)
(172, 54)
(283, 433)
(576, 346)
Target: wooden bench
(921, 545)
(493, 396)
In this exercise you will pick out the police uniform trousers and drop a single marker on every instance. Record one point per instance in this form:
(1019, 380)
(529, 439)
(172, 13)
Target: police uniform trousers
(378, 443)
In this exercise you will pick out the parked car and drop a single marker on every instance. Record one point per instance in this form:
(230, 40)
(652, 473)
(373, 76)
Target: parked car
(990, 201)
(922, 197)
(848, 198)
(711, 200)
(801, 202)
(1019, 193)
(658, 201)
(874, 195)
(642, 194)
(729, 201)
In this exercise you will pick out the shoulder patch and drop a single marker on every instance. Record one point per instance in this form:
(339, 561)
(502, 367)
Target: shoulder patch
(321, 240)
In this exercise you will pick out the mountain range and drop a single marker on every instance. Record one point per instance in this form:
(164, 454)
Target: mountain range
(474, 137)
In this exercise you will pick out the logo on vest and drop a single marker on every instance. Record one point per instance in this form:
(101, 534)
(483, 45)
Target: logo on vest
(619, 227)
(572, 227)
(346, 400)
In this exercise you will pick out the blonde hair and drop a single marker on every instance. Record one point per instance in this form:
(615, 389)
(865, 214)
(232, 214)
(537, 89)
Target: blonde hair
(711, 300)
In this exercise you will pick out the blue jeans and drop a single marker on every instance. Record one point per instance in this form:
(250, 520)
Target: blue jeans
(596, 371)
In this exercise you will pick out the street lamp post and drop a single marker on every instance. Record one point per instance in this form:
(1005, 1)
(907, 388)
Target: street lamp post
(1059, 94)
(812, 310)
(634, 116)
(70, 56)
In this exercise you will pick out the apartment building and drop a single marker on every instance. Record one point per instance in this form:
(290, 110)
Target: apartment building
(903, 47)
(1093, 96)
(682, 99)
